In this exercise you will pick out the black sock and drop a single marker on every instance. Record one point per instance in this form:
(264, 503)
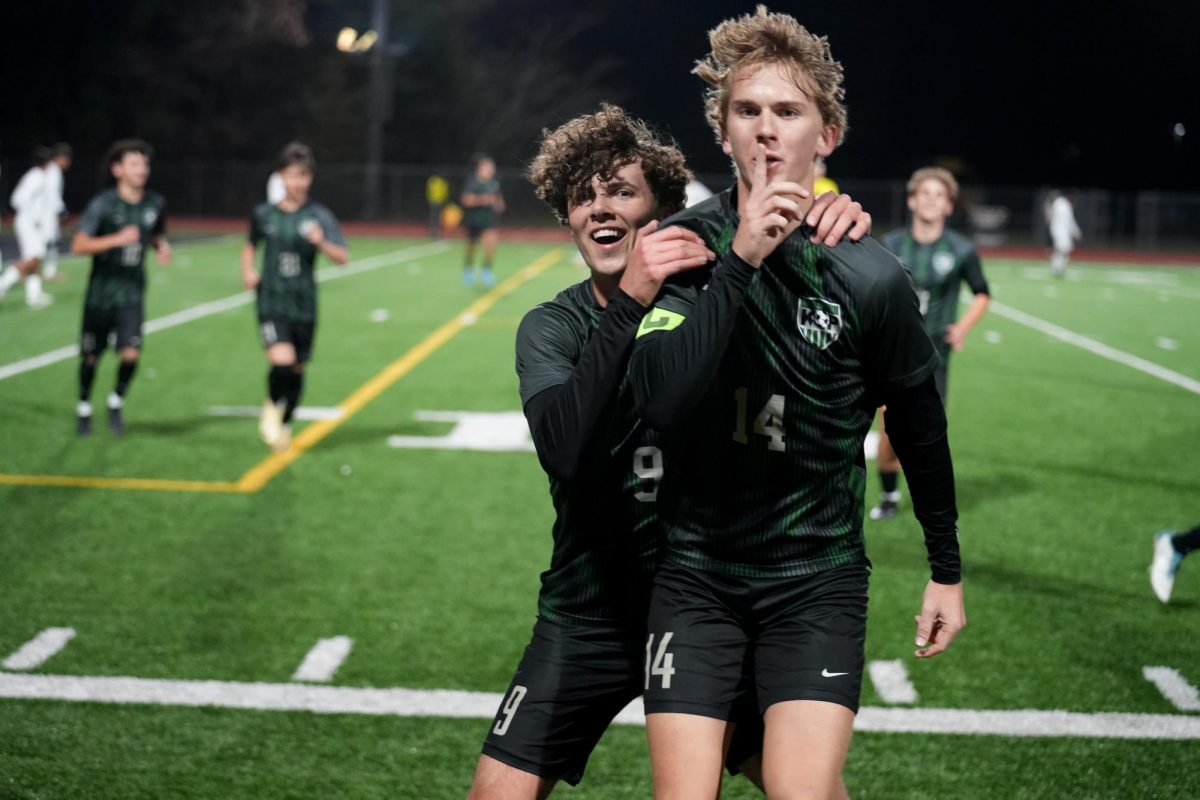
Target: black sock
(125, 375)
(278, 380)
(889, 480)
(87, 374)
(1187, 542)
(293, 396)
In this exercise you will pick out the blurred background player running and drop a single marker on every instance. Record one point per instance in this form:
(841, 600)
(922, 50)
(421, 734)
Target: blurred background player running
(940, 260)
(115, 229)
(482, 205)
(293, 232)
(31, 200)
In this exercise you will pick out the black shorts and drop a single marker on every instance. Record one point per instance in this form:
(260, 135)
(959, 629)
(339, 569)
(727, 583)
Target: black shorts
(99, 324)
(571, 682)
(300, 335)
(801, 637)
(475, 231)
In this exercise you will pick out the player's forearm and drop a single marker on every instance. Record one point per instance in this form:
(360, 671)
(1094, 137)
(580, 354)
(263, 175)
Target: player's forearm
(916, 426)
(672, 369)
(248, 259)
(975, 312)
(564, 419)
(338, 253)
(84, 245)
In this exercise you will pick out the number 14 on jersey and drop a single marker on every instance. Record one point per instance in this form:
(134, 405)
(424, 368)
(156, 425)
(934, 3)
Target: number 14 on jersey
(768, 423)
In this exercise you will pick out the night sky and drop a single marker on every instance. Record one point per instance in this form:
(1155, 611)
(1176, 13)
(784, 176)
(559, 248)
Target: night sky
(1013, 93)
(1020, 93)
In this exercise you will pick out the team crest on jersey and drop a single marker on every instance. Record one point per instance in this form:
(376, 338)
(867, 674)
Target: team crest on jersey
(148, 216)
(820, 321)
(943, 263)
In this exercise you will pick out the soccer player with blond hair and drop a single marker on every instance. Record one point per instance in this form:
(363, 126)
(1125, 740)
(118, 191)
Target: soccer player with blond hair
(763, 373)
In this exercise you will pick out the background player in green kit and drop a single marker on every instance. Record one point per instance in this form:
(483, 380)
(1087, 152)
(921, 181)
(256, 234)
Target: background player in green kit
(609, 179)
(115, 229)
(763, 373)
(940, 260)
(482, 205)
(292, 231)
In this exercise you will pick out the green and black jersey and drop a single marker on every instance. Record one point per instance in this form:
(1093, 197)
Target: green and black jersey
(480, 217)
(287, 289)
(604, 465)
(767, 381)
(118, 275)
(938, 269)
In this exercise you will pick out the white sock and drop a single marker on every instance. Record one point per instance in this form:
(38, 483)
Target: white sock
(33, 287)
(892, 497)
(115, 401)
(9, 278)
(83, 409)
(50, 266)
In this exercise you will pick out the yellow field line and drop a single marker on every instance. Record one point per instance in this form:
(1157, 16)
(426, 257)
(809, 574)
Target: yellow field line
(258, 476)
(149, 484)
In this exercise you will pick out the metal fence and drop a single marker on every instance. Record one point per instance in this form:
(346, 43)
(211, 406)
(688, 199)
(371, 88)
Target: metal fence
(994, 215)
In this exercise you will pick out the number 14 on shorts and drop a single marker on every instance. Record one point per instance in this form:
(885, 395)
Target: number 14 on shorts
(660, 663)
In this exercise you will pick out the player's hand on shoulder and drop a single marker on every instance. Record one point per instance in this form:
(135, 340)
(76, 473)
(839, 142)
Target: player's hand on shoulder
(313, 232)
(657, 255)
(772, 212)
(942, 617)
(835, 216)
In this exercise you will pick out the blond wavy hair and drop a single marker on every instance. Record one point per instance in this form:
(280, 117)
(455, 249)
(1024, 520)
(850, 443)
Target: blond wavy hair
(762, 38)
(601, 144)
(937, 174)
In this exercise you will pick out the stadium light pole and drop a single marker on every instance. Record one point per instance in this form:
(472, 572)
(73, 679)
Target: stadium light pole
(380, 53)
(379, 104)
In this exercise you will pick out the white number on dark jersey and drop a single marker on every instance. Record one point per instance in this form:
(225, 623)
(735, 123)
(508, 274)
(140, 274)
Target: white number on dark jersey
(648, 465)
(131, 255)
(769, 421)
(289, 264)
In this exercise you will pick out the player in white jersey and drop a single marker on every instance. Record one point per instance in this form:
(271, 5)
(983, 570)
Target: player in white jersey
(1064, 232)
(60, 162)
(29, 200)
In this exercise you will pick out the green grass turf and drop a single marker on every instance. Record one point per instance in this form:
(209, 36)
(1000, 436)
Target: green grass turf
(1066, 464)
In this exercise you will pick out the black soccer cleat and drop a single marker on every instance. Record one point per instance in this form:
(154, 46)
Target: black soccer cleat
(885, 510)
(116, 423)
(83, 426)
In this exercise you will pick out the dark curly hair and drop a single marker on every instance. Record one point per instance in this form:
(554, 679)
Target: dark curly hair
(601, 144)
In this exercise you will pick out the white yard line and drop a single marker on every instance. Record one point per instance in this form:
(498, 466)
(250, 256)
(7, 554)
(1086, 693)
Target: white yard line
(483, 705)
(303, 413)
(39, 649)
(227, 303)
(1174, 687)
(1093, 346)
(324, 659)
(891, 681)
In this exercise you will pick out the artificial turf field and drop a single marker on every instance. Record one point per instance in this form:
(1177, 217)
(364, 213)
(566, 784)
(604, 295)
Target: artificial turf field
(198, 557)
